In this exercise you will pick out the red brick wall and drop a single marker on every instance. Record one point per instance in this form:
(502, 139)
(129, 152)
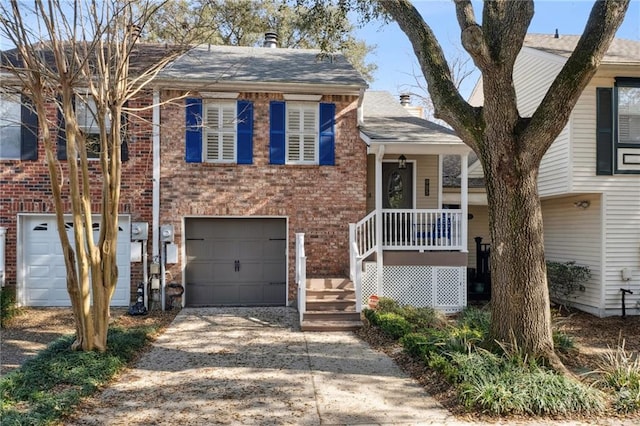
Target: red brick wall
(318, 200)
(25, 187)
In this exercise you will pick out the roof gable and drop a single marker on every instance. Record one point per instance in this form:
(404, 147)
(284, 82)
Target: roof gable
(620, 51)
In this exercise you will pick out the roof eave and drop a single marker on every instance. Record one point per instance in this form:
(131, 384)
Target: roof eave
(279, 87)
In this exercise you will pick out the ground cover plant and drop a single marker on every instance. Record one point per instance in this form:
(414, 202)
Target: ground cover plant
(498, 379)
(50, 385)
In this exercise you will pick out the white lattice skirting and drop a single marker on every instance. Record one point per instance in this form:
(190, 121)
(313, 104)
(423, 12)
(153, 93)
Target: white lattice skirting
(439, 287)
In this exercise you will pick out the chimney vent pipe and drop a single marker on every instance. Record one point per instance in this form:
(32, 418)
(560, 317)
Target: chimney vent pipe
(405, 99)
(270, 40)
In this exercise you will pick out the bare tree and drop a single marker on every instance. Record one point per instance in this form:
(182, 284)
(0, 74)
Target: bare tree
(509, 146)
(77, 55)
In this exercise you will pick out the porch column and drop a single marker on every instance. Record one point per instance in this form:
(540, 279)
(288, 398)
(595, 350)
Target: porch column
(379, 195)
(464, 199)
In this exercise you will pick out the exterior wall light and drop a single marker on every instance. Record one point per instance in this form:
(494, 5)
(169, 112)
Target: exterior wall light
(402, 162)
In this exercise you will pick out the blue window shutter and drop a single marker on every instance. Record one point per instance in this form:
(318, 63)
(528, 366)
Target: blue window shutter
(62, 133)
(193, 136)
(277, 114)
(245, 132)
(28, 131)
(327, 134)
(604, 131)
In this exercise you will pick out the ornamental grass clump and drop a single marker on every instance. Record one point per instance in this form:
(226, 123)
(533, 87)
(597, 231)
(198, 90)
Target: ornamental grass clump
(619, 370)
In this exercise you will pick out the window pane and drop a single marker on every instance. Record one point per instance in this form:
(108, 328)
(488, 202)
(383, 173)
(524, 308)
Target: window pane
(213, 151)
(228, 117)
(309, 148)
(294, 147)
(10, 126)
(228, 146)
(213, 117)
(629, 115)
(294, 119)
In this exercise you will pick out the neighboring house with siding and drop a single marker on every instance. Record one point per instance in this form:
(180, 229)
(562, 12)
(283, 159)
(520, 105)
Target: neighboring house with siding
(589, 179)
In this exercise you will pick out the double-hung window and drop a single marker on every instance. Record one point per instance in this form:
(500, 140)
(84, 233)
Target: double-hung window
(10, 126)
(618, 127)
(219, 141)
(86, 114)
(18, 128)
(302, 133)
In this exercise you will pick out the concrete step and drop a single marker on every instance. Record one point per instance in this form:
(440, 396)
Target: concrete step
(321, 316)
(329, 283)
(330, 325)
(339, 305)
(331, 294)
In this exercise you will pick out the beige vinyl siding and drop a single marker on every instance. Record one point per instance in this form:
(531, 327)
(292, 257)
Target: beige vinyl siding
(574, 234)
(426, 168)
(478, 227)
(533, 74)
(622, 241)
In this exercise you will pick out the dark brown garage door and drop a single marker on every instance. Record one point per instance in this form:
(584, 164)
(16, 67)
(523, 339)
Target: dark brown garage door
(235, 262)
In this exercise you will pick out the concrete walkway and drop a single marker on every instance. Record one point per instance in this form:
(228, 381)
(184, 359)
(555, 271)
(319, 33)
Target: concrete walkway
(253, 366)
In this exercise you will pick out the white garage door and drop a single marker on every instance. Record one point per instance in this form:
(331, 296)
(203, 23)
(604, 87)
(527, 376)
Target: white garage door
(43, 265)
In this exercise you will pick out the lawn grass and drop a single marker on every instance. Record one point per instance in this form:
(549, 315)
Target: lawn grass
(50, 385)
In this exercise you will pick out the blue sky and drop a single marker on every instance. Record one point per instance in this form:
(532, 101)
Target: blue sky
(396, 60)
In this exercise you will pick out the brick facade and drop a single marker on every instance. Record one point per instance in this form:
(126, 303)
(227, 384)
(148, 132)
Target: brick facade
(318, 200)
(25, 187)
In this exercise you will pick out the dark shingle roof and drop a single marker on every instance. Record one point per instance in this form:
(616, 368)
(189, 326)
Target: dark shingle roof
(620, 50)
(385, 120)
(238, 64)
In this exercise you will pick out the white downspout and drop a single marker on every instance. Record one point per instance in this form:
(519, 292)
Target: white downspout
(464, 199)
(379, 259)
(155, 215)
(3, 237)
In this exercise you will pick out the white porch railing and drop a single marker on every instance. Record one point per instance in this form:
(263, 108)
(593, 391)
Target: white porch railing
(422, 229)
(301, 274)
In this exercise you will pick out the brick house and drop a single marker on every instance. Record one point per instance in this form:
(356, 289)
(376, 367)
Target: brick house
(251, 146)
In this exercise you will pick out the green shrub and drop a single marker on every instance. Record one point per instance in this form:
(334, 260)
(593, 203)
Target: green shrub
(393, 325)
(565, 279)
(8, 307)
(474, 318)
(371, 316)
(562, 342)
(421, 318)
(462, 339)
(620, 370)
(415, 344)
(387, 305)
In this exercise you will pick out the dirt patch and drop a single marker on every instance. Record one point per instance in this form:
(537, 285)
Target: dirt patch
(34, 328)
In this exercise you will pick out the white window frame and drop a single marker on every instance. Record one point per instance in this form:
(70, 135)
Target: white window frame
(302, 132)
(627, 134)
(223, 126)
(87, 122)
(10, 119)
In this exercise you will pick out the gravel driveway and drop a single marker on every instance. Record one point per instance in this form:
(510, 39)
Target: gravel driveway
(253, 366)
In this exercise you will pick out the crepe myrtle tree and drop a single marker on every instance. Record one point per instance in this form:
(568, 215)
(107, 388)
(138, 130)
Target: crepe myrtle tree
(68, 53)
(509, 146)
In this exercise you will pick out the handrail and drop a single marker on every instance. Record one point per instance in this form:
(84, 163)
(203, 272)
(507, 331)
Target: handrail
(301, 274)
(422, 229)
(357, 278)
(365, 235)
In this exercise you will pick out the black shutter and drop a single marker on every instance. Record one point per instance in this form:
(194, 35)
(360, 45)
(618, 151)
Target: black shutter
(124, 136)
(28, 131)
(604, 131)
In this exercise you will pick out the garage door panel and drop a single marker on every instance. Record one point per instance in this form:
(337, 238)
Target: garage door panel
(43, 263)
(258, 245)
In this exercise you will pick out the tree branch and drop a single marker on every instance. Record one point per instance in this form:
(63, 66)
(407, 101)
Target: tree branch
(554, 110)
(448, 103)
(471, 35)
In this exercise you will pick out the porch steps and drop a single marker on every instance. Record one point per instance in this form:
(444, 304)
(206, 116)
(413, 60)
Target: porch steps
(330, 305)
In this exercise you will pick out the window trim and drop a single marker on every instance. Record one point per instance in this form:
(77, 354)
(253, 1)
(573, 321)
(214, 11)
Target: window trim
(303, 106)
(623, 150)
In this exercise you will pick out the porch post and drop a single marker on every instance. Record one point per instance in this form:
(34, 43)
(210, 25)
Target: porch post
(379, 241)
(464, 199)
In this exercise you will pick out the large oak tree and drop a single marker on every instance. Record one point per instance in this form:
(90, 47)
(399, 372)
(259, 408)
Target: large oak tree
(510, 146)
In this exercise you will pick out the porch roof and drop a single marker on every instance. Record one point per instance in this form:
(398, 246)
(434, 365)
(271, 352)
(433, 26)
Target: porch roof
(386, 122)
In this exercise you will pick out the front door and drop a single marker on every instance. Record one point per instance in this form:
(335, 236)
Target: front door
(397, 186)
(397, 193)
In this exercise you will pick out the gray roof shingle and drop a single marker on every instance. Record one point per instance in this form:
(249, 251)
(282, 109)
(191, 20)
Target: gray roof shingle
(386, 120)
(239, 64)
(620, 50)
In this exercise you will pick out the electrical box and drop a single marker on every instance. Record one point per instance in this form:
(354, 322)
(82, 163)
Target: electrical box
(626, 274)
(166, 233)
(155, 283)
(136, 251)
(139, 231)
(154, 269)
(172, 253)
